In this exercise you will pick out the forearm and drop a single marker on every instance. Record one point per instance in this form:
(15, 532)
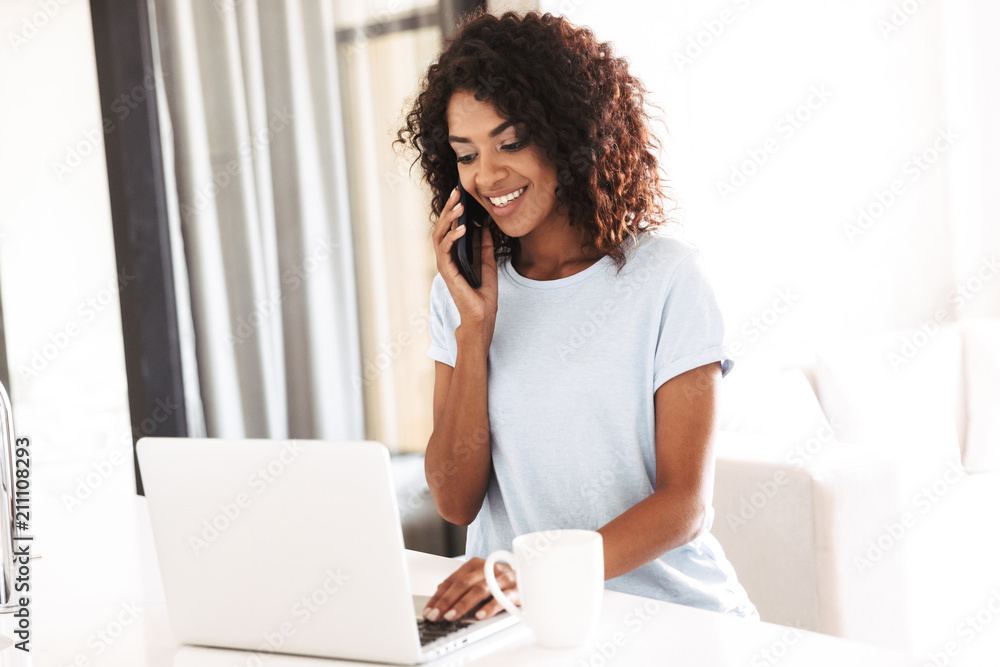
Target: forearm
(457, 460)
(663, 521)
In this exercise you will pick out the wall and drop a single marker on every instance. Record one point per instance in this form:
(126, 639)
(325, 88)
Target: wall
(60, 289)
(785, 119)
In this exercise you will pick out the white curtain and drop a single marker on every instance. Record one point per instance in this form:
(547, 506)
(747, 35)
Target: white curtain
(254, 150)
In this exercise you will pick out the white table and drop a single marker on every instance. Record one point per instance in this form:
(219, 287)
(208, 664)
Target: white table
(99, 603)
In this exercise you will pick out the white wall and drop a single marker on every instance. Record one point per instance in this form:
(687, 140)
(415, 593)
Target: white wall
(784, 229)
(59, 282)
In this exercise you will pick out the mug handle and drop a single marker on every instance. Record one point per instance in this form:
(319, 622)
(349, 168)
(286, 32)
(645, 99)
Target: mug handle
(491, 581)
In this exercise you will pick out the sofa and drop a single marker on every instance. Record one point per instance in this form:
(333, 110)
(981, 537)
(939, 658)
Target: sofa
(857, 488)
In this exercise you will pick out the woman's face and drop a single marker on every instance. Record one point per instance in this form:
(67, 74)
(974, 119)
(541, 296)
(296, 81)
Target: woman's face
(495, 161)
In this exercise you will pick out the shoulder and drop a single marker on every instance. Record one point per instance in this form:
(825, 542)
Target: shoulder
(663, 254)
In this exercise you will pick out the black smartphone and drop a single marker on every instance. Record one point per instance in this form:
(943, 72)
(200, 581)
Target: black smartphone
(466, 250)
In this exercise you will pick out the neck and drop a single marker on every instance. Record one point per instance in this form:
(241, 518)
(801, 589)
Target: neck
(550, 254)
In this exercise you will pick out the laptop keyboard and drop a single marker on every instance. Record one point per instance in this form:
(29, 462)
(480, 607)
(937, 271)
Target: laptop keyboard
(430, 632)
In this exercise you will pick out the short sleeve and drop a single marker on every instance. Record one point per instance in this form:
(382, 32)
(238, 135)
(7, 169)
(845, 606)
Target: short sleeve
(442, 322)
(691, 330)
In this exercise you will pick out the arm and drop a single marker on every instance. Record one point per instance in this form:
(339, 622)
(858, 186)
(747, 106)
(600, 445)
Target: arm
(675, 513)
(460, 407)
(457, 461)
(672, 515)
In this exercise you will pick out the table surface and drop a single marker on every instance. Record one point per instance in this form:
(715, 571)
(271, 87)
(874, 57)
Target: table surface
(98, 602)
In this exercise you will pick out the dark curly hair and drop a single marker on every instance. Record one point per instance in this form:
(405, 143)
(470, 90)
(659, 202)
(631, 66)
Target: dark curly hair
(580, 106)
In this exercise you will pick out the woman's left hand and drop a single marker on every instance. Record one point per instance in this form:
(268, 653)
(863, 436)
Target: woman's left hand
(466, 588)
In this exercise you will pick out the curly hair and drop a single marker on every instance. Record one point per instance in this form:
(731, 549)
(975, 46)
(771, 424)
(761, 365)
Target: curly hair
(580, 105)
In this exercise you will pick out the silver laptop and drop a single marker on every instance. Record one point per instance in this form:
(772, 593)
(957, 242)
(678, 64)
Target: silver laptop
(289, 546)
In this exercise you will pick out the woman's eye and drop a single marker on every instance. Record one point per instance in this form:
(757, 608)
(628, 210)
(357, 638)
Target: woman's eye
(510, 148)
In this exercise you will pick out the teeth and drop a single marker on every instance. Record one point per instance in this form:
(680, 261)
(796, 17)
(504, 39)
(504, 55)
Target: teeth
(500, 202)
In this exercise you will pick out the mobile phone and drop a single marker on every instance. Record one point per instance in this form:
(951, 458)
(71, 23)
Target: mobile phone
(466, 250)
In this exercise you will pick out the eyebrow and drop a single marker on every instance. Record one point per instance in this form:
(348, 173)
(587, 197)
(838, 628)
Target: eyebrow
(494, 132)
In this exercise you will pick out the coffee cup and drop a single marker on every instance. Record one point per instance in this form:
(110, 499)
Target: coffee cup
(560, 578)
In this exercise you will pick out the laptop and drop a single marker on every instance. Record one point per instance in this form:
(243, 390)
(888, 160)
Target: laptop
(290, 546)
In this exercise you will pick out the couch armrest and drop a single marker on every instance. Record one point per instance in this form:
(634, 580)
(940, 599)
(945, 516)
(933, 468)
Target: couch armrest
(796, 527)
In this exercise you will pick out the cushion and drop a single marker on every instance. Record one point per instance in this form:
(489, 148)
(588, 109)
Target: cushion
(777, 403)
(982, 368)
(899, 391)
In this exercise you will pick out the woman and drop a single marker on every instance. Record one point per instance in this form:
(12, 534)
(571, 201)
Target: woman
(575, 388)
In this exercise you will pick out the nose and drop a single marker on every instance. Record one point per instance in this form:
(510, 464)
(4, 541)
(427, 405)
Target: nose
(491, 172)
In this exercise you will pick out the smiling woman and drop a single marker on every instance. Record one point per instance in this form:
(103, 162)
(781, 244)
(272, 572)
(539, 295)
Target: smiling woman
(552, 97)
(575, 386)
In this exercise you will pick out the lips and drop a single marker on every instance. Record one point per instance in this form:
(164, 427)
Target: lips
(505, 199)
(509, 208)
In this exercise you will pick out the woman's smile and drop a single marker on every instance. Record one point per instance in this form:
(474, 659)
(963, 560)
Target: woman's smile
(504, 206)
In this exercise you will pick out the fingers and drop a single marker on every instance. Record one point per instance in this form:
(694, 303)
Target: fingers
(443, 598)
(445, 233)
(465, 589)
(494, 607)
(447, 217)
(472, 597)
(442, 606)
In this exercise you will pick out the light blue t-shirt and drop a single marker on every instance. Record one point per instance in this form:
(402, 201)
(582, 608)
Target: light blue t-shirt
(572, 370)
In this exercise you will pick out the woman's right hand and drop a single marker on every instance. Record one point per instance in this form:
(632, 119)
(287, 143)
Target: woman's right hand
(476, 307)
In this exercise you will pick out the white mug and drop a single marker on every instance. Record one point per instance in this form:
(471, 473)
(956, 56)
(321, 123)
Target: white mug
(560, 577)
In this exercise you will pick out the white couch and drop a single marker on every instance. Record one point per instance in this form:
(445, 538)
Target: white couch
(857, 489)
